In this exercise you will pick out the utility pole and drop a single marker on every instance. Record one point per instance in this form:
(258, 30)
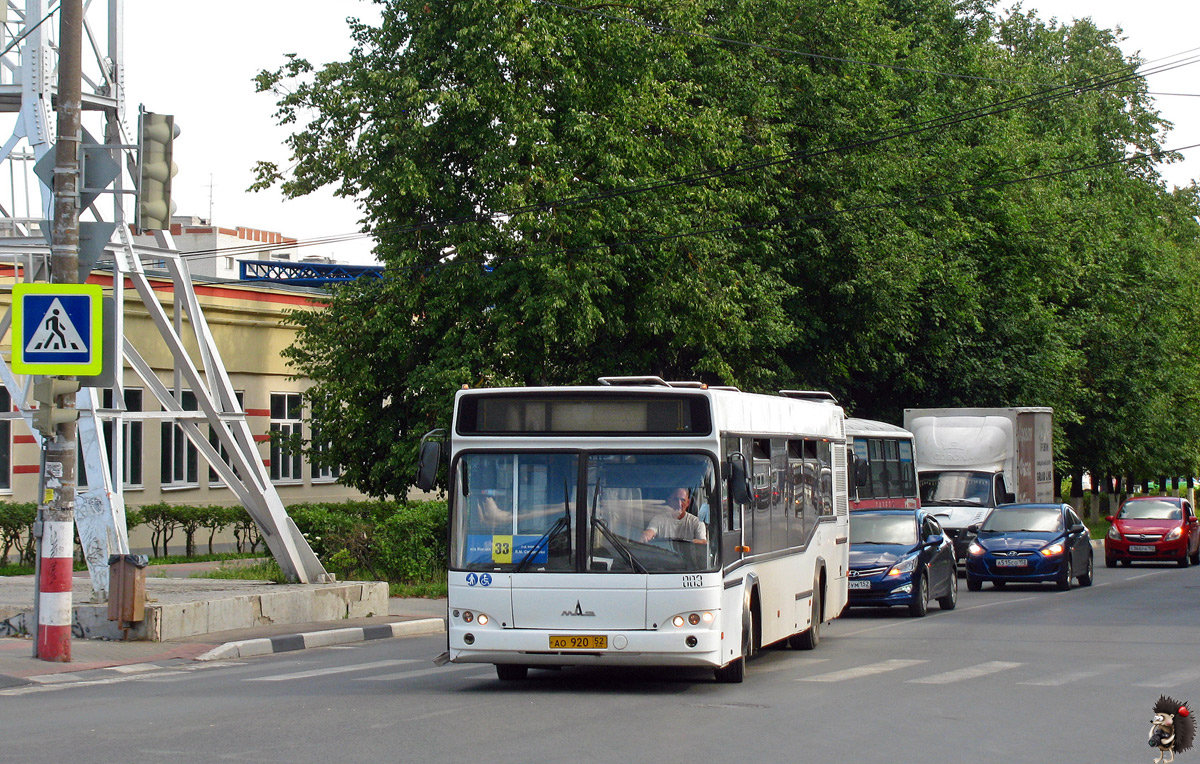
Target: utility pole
(56, 506)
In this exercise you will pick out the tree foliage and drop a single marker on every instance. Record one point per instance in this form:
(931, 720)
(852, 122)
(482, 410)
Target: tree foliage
(907, 202)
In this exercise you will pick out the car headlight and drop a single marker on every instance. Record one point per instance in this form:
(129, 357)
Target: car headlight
(974, 549)
(1174, 533)
(902, 567)
(1114, 534)
(1053, 549)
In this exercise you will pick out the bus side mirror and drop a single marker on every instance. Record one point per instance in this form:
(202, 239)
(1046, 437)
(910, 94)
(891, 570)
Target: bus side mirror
(739, 486)
(428, 458)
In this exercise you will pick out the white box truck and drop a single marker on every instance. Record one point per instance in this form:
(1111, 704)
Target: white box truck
(971, 459)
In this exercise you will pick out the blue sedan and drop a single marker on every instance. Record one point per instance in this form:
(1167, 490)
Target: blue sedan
(901, 557)
(1030, 543)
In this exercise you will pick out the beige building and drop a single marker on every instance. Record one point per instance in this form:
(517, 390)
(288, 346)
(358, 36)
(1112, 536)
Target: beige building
(160, 463)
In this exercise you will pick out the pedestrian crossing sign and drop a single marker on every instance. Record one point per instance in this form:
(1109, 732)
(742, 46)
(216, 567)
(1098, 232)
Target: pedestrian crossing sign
(57, 329)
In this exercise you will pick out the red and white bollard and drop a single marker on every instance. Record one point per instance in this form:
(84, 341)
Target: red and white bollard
(54, 592)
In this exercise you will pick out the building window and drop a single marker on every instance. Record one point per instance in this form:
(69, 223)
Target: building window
(131, 446)
(213, 477)
(285, 424)
(5, 442)
(180, 459)
(321, 473)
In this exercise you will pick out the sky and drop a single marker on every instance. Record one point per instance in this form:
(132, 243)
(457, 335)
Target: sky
(198, 60)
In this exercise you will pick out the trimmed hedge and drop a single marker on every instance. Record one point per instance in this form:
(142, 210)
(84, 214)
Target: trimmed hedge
(396, 541)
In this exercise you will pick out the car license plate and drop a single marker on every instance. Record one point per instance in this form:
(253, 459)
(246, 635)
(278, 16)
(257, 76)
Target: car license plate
(860, 584)
(578, 642)
(1011, 563)
(1141, 548)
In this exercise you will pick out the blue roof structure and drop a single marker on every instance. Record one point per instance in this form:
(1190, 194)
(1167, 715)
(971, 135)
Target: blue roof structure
(305, 274)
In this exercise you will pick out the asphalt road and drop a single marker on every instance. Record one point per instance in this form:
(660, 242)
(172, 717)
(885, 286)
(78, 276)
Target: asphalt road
(1025, 674)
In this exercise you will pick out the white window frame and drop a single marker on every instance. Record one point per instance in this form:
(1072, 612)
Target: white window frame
(173, 439)
(290, 423)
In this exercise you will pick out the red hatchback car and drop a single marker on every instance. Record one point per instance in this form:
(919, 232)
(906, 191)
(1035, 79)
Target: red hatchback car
(1161, 528)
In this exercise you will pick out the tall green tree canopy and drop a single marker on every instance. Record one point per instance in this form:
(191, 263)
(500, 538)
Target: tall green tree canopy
(908, 202)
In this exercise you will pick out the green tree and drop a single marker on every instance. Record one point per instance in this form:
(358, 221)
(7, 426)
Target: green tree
(560, 194)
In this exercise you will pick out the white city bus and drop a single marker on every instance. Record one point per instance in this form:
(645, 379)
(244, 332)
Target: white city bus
(642, 522)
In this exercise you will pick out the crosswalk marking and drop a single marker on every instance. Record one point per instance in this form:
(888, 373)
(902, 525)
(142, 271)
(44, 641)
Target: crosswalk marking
(1072, 676)
(427, 672)
(134, 668)
(1173, 679)
(330, 671)
(784, 665)
(970, 672)
(861, 671)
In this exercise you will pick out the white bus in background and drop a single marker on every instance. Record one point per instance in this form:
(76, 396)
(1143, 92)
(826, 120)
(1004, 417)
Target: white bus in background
(889, 480)
(641, 522)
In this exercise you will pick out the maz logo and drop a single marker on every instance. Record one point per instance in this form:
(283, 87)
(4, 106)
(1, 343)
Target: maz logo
(579, 611)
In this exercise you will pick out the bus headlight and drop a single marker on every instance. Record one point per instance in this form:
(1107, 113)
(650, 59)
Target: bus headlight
(695, 619)
(482, 619)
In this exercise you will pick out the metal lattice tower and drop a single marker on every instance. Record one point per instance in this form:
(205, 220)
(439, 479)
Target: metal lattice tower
(28, 83)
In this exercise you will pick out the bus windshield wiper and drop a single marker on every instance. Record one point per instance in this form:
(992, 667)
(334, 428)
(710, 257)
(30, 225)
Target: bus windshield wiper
(543, 541)
(616, 542)
(551, 532)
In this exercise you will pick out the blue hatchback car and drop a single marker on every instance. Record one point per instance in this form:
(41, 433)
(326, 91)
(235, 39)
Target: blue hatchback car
(1030, 543)
(901, 557)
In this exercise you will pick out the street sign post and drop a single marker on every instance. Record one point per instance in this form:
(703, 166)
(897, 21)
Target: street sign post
(58, 329)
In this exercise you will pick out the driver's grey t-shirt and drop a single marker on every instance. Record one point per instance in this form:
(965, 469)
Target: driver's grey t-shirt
(686, 528)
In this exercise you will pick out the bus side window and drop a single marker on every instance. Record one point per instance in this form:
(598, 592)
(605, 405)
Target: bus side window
(797, 512)
(733, 511)
(824, 485)
(908, 473)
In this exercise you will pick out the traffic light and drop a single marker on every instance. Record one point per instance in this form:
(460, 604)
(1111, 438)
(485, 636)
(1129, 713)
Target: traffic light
(156, 138)
(48, 391)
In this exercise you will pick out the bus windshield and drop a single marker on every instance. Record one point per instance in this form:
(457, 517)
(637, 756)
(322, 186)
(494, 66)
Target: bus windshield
(641, 513)
(947, 488)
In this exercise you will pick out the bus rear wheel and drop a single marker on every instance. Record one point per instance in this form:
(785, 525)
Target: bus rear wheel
(509, 672)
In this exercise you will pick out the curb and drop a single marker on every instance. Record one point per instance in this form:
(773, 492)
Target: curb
(248, 648)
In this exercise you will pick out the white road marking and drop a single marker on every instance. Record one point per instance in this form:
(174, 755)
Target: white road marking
(1073, 676)
(134, 668)
(796, 665)
(861, 671)
(1174, 679)
(970, 672)
(427, 672)
(329, 671)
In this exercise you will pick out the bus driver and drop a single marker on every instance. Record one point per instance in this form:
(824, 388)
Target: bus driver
(676, 522)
